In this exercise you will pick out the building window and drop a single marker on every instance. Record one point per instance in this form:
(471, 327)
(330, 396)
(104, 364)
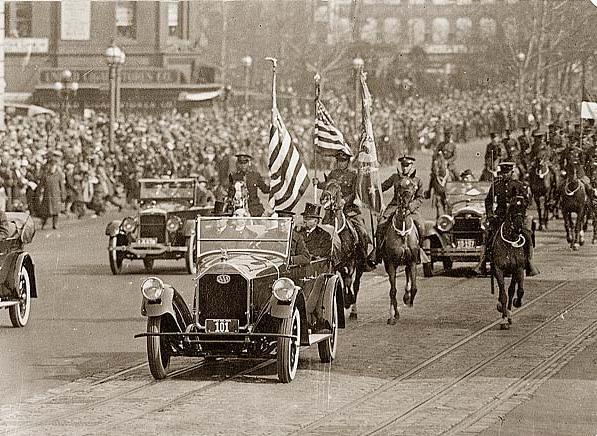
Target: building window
(440, 30)
(464, 2)
(391, 30)
(487, 27)
(174, 19)
(369, 30)
(416, 31)
(510, 29)
(463, 29)
(126, 19)
(441, 2)
(417, 2)
(17, 19)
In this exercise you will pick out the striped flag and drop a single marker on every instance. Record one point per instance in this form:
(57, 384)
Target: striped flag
(369, 185)
(288, 174)
(328, 139)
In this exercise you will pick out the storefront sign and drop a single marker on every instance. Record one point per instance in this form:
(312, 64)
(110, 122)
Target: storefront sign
(25, 45)
(100, 76)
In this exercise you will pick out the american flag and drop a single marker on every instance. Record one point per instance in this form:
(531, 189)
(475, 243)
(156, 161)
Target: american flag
(369, 186)
(328, 139)
(288, 174)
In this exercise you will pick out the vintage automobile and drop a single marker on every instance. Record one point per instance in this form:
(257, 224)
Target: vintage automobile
(459, 235)
(164, 227)
(17, 271)
(249, 301)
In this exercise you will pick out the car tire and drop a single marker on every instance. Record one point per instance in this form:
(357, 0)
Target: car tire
(428, 269)
(191, 255)
(158, 354)
(288, 349)
(19, 314)
(148, 264)
(327, 348)
(448, 264)
(114, 256)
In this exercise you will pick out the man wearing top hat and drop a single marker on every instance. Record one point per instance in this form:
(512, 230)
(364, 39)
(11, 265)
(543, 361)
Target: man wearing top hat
(501, 192)
(404, 180)
(252, 179)
(317, 240)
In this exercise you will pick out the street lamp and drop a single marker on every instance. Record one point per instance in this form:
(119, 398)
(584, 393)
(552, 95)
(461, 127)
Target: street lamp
(247, 61)
(357, 64)
(114, 58)
(521, 58)
(66, 88)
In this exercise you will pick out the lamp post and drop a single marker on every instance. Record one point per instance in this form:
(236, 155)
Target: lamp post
(114, 58)
(66, 88)
(357, 64)
(521, 58)
(247, 61)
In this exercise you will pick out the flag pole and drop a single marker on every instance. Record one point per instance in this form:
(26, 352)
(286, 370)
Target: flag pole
(317, 79)
(274, 62)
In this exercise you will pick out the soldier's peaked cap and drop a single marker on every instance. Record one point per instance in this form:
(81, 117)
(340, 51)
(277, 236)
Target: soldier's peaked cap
(244, 157)
(343, 155)
(406, 160)
(506, 166)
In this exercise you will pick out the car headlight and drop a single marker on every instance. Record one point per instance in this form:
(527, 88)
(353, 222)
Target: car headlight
(128, 224)
(152, 288)
(173, 223)
(444, 223)
(283, 289)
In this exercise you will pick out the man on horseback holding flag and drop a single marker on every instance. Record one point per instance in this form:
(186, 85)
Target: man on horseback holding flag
(502, 191)
(253, 181)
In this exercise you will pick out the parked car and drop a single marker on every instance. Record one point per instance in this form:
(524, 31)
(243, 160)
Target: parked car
(249, 301)
(458, 235)
(163, 228)
(17, 270)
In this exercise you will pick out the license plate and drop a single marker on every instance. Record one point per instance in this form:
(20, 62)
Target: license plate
(221, 325)
(466, 243)
(147, 241)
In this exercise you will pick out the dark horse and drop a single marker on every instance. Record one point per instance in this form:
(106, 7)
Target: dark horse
(574, 199)
(349, 259)
(541, 179)
(401, 248)
(508, 257)
(439, 177)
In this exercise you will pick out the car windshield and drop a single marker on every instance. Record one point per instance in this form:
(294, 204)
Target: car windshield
(243, 233)
(470, 191)
(166, 189)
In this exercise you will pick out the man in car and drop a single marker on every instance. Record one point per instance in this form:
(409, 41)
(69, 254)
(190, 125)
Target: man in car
(253, 181)
(317, 240)
(205, 198)
(4, 226)
(299, 254)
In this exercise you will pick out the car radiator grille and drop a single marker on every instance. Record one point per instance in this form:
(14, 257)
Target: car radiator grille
(153, 226)
(467, 225)
(222, 301)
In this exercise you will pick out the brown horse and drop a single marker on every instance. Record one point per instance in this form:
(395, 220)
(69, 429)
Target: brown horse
(508, 257)
(401, 248)
(574, 200)
(439, 177)
(542, 179)
(348, 259)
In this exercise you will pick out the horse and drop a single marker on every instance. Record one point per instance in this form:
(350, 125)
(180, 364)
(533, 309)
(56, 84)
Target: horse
(349, 260)
(401, 248)
(439, 177)
(240, 198)
(574, 199)
(541, 179)
(508, 257)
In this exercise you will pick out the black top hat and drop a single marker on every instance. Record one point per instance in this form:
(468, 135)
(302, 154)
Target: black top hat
(506, 167)
(406, 160)
(219, 208)
(312, 211)
(284, 213)
(243, 158)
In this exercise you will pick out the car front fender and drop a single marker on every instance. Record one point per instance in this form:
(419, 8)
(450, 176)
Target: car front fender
(188, 228)
(113, 228)
(166, 306)
(9, 273)
(283, 309)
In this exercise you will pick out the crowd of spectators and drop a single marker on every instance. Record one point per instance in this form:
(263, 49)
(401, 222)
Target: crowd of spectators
(95, 175)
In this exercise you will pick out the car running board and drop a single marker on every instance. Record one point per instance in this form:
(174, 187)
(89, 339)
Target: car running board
(318, 337)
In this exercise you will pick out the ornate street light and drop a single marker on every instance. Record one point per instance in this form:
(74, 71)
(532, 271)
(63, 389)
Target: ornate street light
(247, 62)
(357, 64)
(115, 57)
(66, 88)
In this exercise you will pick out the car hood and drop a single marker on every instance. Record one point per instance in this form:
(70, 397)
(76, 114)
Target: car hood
(250, 265)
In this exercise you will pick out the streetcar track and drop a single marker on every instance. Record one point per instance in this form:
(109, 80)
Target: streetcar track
(472, 371)
(426, 363)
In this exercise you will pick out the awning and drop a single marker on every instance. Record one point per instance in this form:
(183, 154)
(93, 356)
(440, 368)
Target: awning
(199, 96)
(29, 110)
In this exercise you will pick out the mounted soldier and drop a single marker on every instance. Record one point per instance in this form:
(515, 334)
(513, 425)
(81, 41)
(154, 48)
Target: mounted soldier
(252, 180)
(502, 191)
(448, 148)
(403, 181)
(494, 152)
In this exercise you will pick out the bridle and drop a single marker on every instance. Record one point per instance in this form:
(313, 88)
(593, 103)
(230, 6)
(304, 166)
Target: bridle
(404, 232)
(515, 244)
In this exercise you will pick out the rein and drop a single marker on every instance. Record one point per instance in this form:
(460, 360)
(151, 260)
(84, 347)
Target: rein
(515, 244)
(338, 230)
(570, 193)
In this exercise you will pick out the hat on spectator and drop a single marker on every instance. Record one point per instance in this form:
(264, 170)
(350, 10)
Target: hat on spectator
(201, 179)
(312, 211)
(406, 160)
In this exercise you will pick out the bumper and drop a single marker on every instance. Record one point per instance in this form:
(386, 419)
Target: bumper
(218, 338)
(142, 251)
(455, 254)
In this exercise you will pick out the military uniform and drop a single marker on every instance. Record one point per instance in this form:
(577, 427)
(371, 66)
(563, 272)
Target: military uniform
(493, 153)
(448, 148)
(254, 181)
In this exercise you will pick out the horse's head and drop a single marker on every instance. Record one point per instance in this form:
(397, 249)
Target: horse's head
(516, 213)
(331, 196)
(241, 195)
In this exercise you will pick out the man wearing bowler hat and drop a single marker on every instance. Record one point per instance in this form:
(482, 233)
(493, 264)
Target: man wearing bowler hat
(317, 240)
(252, 179)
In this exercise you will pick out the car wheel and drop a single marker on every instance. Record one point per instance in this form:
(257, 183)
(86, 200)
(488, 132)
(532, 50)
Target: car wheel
(19, 314)
(288, 348)
(148, 264)
(114, 256)
(327, 348)
(158, 354)
(191, 255)
(448, 264)
(428, 269)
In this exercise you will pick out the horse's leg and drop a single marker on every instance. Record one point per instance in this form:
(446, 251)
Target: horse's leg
(539, 212)
(406, 298)
(356, 286)
(593, 216)
(394, 315)
(413, 281)
(567, 218)
(577, 230)
(511, 291)
(520, 289)
(502, 305)
(348, 283)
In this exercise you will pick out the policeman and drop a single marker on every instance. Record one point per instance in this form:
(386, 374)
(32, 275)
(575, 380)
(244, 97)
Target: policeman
(252, 179)
(504, 189)
(448, 148)
(403, 180)
(317, 240)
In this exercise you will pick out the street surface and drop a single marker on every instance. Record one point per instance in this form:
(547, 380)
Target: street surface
(445, 368)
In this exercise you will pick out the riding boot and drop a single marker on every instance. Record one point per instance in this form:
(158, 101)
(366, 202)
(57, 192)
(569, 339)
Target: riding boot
(423, 258)
(374, 257)
(481, 268)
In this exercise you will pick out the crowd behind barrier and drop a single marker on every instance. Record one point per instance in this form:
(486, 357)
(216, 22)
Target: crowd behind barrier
(94, 175)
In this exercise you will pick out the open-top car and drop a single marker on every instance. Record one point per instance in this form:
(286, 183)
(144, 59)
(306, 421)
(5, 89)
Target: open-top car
(458, 235)
(163, 228)
(17, 271)
(249, 301)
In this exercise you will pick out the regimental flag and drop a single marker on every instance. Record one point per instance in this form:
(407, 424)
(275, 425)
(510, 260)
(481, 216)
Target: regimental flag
(328, 139)
(369, 185)
(288, 174)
